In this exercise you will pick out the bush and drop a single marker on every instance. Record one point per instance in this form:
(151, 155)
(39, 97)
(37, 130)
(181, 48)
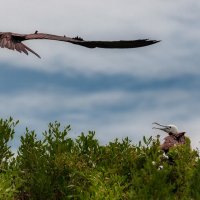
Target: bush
(58, 167)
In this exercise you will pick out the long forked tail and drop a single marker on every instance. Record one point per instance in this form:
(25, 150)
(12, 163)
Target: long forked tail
(27, 48)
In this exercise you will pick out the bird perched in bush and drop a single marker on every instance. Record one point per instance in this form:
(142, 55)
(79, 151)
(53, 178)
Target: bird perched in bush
(13, 41)
(174, 136)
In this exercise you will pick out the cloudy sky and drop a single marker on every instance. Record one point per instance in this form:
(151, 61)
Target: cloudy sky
(116, 93)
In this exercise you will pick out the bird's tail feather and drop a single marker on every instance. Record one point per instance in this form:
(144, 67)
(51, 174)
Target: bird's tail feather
(27, 48)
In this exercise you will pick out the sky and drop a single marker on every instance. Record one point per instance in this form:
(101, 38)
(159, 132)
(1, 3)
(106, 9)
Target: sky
(116, 93)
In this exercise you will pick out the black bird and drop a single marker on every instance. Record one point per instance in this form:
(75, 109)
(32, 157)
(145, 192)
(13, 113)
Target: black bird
(13, 41)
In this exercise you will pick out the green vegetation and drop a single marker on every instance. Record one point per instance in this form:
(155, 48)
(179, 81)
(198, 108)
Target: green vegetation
(58, 167)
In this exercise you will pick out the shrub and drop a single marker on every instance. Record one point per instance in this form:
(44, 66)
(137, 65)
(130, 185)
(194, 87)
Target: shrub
(57, 167)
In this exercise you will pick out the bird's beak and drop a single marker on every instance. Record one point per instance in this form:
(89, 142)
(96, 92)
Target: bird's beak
(162, 127)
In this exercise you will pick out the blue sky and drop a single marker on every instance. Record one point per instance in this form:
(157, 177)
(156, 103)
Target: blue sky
(117, 93)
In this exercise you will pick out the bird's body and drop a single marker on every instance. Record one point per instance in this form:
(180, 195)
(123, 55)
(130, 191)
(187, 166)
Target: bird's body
(13, 41)
(172, 140)
(174, 136)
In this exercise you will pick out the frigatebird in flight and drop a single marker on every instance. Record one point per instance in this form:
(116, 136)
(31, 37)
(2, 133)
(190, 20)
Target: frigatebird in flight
(13, 41)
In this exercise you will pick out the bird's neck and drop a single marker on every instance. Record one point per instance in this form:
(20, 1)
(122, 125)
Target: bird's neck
(177, 135)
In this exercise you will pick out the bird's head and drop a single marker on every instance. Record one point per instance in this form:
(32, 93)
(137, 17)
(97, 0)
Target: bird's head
(171, 129)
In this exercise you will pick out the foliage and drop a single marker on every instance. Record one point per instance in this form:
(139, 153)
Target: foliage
(57, 167)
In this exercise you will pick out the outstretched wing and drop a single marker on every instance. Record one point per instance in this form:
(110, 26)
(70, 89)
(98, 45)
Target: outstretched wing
(14, 42)
(121, 44)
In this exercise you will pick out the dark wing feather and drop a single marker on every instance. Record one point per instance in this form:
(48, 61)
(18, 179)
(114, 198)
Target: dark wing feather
(181, 137)
(122, 44)
(17, 47)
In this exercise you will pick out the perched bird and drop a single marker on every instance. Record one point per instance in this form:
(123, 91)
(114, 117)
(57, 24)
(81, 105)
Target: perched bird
(13, 41)
(174, 138)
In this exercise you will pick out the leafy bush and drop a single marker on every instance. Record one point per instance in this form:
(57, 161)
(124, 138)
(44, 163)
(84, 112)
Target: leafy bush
(58, 167)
